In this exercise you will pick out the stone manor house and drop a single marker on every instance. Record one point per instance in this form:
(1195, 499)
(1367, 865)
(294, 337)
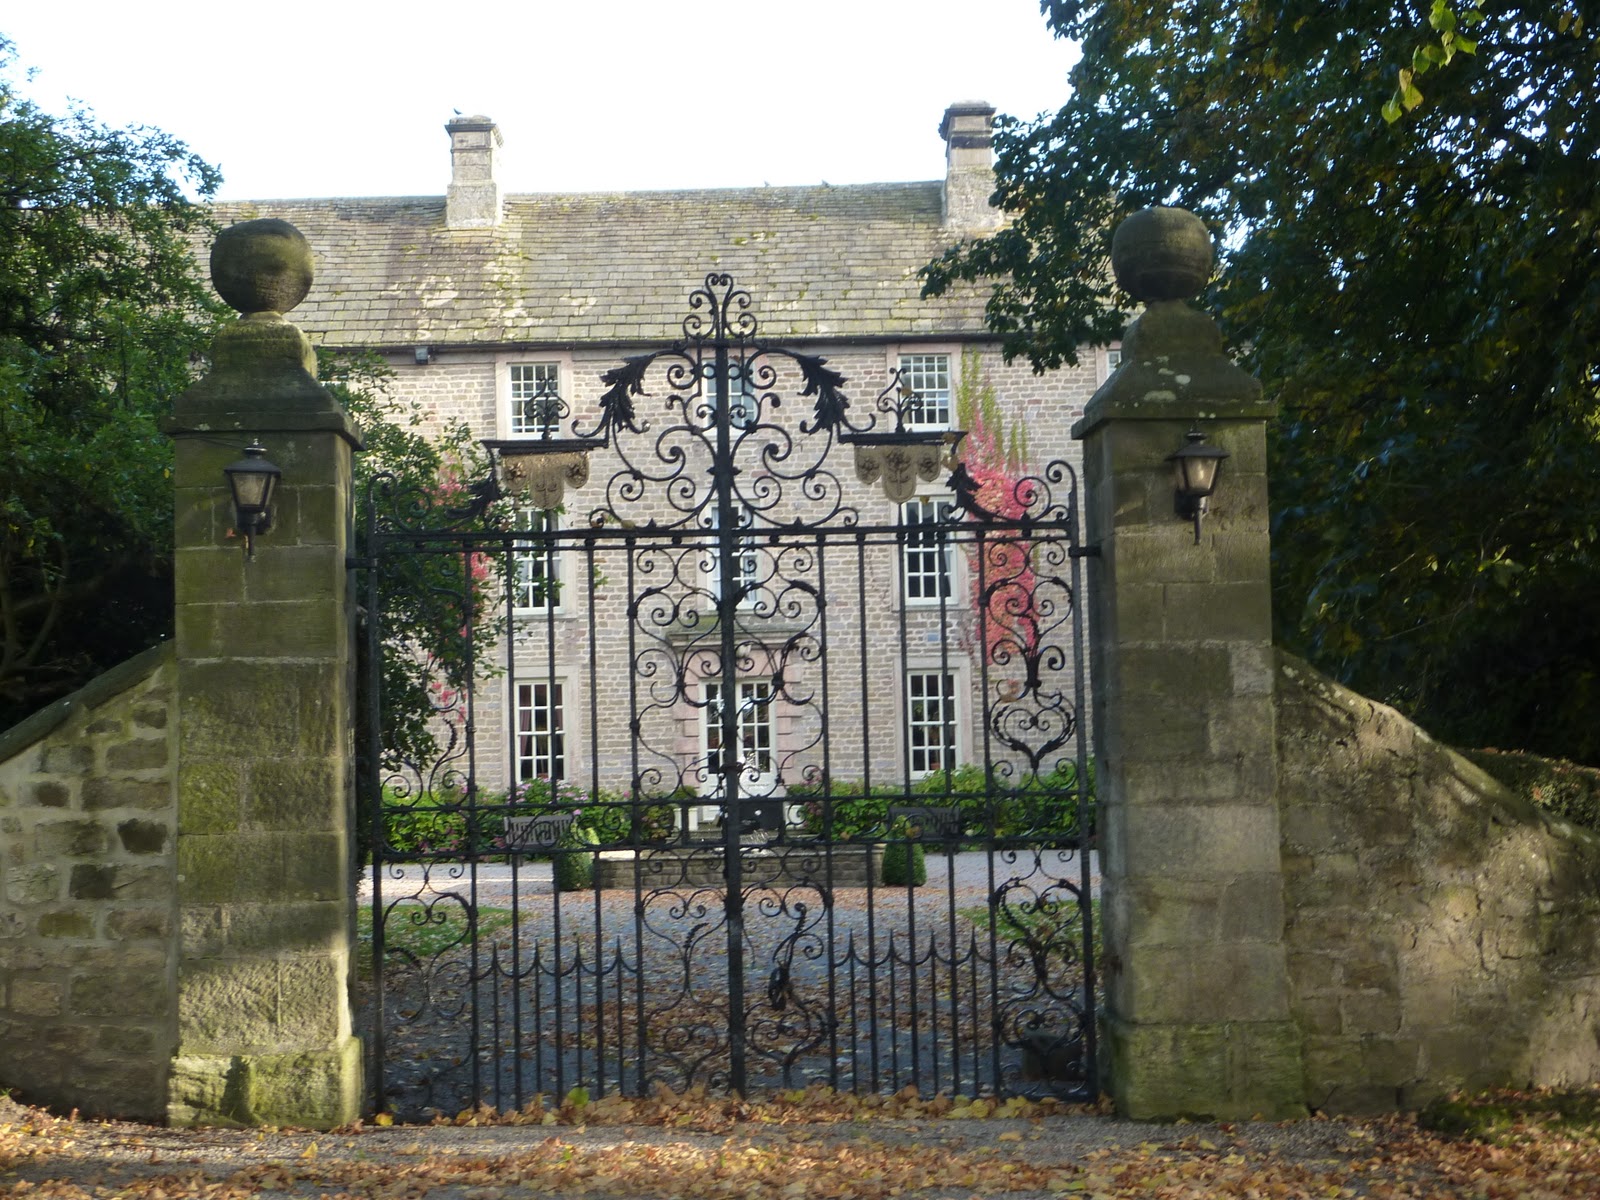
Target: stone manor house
(478, 300)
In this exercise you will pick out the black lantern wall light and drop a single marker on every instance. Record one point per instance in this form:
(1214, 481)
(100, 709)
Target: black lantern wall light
(1194, 477)
(252, 480)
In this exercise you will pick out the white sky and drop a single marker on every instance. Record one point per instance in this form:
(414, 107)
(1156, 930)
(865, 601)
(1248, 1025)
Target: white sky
(294, 99)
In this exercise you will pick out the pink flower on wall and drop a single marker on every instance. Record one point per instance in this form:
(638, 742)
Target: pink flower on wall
(995, 481)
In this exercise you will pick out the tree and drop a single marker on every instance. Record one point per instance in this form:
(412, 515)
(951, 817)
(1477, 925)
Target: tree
(442, 614)
(1422, 297)
(102, 319)
(105, 317)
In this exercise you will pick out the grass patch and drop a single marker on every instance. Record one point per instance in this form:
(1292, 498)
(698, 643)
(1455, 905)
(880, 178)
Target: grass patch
(1509, 1117)
(424, 932)
(1044, 922)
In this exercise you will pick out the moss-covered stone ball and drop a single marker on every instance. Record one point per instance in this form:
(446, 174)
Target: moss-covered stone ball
(261, 266)
(1162, 254)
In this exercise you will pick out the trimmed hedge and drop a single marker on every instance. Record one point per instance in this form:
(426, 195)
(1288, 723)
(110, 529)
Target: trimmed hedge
(436, 825)
(445, 825)
(1034, 806)
(572, 862)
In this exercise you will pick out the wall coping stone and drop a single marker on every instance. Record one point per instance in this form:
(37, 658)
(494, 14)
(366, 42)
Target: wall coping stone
(1299, 675)
(103, 687)
(1174, 369)
(254, 421)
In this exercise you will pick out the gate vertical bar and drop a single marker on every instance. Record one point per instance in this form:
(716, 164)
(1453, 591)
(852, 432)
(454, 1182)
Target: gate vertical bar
(731, 764)
(514, 778)
(474, 905)
(827, 763)
(1088, 835)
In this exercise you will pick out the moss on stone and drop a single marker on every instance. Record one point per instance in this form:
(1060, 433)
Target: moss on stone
(1502, 1116)
(1563, 789)
(315, 1089)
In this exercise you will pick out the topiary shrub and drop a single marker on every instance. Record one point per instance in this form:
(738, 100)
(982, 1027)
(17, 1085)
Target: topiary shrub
(572, 862)
(904, 862)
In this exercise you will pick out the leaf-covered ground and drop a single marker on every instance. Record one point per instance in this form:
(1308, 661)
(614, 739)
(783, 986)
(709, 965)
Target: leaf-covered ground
(815, 1144)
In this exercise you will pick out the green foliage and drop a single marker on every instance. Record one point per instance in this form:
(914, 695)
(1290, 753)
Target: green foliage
(619, 821)
(572, 863)
(1437, 51)
(1512, 1117)
(847, 812)
(103, 318)
(450, 824)
(442, 613)
(427, 826)
(905, 863)
(1050, 921)
(1562, 789)
(425, 931)
(989, 439)
(1038, 807)
(1421, 298)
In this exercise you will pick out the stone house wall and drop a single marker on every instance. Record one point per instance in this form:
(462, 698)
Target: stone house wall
(1443, 933)
(88, 819)
(452, 292)
(1039, 409)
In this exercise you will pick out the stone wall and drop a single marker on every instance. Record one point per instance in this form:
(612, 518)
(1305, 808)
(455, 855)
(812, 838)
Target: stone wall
(1443, 933)
(87, 821)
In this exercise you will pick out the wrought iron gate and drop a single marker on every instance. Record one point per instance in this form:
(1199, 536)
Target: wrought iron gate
(690, 736)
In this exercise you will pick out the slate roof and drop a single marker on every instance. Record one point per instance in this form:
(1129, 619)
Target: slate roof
(617, 268)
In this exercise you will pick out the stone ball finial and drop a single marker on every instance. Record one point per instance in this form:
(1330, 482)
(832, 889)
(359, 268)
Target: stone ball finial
(1162, 254)
(261, 266)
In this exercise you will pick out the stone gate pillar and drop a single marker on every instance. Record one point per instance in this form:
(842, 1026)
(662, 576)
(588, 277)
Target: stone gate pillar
(264, 741)
(1197, 1009)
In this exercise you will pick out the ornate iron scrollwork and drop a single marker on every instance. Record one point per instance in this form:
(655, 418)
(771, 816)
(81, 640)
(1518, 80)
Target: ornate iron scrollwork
(731, 568)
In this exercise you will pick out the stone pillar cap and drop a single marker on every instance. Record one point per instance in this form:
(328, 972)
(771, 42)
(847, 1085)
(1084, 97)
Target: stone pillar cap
(473, 124)
(1162, 254)
(263, 372)
(1174, 366)
(261, 266)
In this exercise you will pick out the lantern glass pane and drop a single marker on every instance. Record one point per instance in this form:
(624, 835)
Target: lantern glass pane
(251, 488)
(1200, 474)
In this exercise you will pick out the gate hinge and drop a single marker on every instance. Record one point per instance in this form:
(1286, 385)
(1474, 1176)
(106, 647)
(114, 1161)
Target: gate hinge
(1084, 551)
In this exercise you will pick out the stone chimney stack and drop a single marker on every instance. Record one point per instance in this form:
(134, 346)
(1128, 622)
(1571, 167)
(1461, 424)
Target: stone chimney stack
(473, 201)
(967, 130)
